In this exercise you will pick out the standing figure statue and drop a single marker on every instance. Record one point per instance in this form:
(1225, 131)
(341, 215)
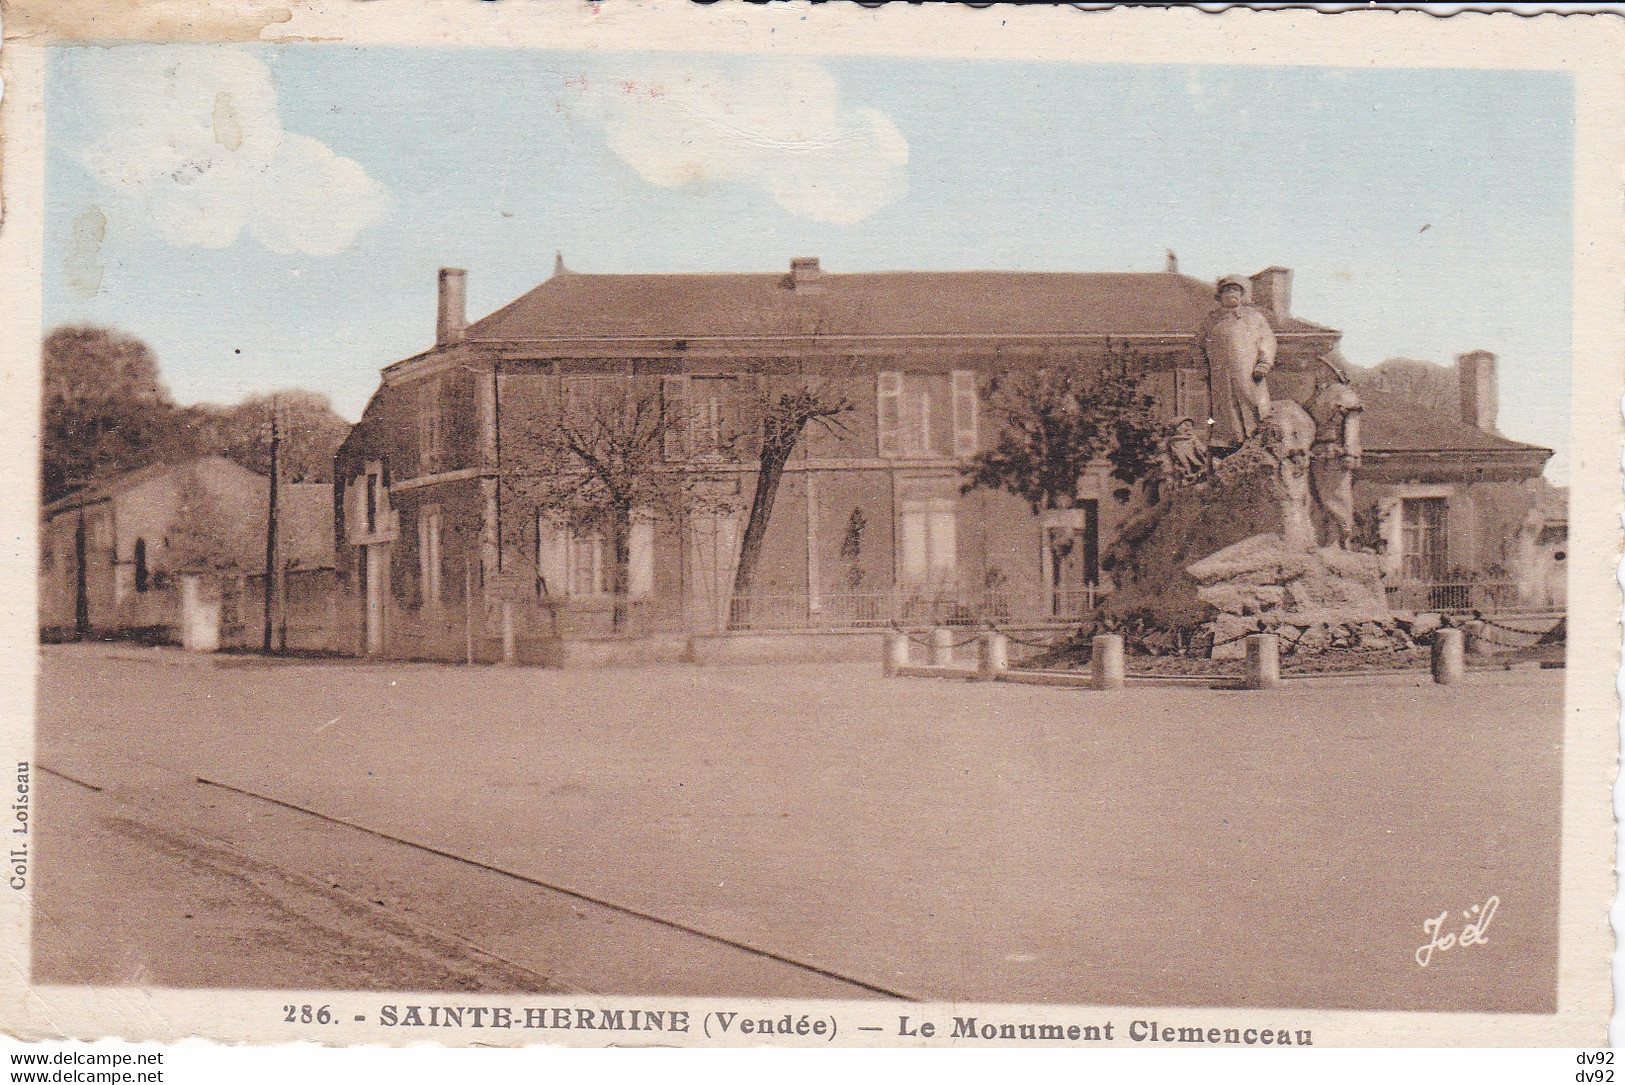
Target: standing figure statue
(1335, 455)
(1239, 347)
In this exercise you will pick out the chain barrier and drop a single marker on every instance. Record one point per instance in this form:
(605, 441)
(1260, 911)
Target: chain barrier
(1514, 629)
(1507, 643)
(927, 642)
(1047, 645)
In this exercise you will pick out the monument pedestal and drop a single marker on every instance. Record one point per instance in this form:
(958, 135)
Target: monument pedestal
(1312, 599)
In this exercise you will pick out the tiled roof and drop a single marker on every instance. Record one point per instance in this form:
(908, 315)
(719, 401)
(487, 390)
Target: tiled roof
(104, 488)
(1393, 424)
(574, 305)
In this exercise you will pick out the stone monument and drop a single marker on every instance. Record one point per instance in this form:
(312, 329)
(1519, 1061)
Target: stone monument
(1237, 553)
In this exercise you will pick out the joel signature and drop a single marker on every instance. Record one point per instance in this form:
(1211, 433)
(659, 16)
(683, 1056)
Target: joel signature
(1473, 934)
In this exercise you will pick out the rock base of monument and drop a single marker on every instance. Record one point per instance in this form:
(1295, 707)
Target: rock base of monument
(1314, 600)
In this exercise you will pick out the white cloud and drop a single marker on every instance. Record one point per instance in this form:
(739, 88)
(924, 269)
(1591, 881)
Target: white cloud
(193, 143)
(781, 127)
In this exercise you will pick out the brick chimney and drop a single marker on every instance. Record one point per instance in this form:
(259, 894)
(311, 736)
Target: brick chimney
(1272, 292)
(1480, 396)
(805, 275)
(453, 315)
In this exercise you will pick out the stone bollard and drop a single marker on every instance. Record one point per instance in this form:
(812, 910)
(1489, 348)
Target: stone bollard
(992, 655)
(1448, 666)
(896, 652)
(1263, 667)
(942, 647)
(1106, 661)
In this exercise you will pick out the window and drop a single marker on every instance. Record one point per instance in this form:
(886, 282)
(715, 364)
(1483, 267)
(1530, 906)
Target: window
(1424, 545)
(141, 565)
(429, 555)
(903, 413)
(702, 415)
(580, 564)
(431, 450)
(372, 503)
(713, 415)
(928, 537)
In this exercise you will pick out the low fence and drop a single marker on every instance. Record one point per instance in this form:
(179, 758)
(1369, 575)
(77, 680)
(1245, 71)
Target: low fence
(909, 607)
(1458, 596)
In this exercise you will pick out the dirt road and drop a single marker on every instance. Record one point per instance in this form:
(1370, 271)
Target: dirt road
(802, 831)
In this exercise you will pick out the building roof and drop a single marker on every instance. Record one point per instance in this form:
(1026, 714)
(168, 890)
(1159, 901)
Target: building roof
(104, 489)
(572, 305)
(1392, 423)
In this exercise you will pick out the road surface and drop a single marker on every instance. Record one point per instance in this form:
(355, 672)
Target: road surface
(802, 831)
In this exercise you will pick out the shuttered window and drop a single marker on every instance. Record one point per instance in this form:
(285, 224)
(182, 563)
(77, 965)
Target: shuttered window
(580, 565)
(429, 555)
(431, 437)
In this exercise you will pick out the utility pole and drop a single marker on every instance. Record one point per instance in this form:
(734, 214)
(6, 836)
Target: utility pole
(273, 563)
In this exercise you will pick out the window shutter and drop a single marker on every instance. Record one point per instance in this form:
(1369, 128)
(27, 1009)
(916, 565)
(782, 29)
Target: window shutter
(641, 558)
(888, 412)
(964, 390)
(551, 542)
(674, 393)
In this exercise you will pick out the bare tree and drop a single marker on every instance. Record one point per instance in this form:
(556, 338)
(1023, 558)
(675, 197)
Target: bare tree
(785, 417)
(596, 457)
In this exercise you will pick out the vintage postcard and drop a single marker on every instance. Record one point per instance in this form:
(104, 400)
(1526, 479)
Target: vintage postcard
(661, 525)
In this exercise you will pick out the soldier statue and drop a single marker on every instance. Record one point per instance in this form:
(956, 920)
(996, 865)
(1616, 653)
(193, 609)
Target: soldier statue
(1335, 454)
(1239, 347)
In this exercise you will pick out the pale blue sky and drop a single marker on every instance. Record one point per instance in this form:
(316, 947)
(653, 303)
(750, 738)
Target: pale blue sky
(491, 160)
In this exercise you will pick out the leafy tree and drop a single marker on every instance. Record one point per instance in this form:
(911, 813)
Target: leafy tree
(311, 433)
(1056, 423)
(203, 538)
(106, 409)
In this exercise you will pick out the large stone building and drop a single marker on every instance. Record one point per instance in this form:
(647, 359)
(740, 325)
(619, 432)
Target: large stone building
(871, 524)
